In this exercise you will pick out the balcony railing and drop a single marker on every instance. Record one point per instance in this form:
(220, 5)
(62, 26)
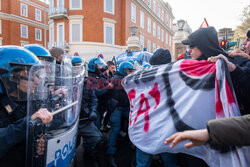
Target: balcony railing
(58, 13)
(63, 45)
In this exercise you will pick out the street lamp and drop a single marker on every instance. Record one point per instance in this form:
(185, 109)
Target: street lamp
(133, 30)
(180, 24)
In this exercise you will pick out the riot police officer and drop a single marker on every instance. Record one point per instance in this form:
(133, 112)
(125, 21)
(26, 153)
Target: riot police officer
(15, 63)
(94, 145)
(100, 82)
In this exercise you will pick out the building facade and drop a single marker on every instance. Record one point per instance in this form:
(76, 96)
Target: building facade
(22, 22)
(91, 27)
(182, 31)
(225, 34)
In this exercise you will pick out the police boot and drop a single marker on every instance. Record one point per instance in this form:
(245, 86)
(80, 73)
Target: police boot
(101, 155)
(89, 159)
(112, 161)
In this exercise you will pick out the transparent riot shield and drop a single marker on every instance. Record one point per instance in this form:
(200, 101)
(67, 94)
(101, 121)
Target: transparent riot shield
(58, 91)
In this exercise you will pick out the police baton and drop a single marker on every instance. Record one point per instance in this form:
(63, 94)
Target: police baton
(39, 121)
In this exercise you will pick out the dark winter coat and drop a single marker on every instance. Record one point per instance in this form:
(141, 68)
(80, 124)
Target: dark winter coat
(234, 131)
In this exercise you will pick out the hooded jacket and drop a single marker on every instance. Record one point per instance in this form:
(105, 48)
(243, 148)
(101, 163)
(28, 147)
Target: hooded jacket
(206, 40)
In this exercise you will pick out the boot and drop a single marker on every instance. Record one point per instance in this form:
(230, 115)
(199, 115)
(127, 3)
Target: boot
(112, 161)
(101, 154)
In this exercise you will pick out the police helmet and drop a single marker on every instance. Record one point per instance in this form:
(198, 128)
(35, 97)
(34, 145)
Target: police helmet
(124, 67)
(131, 61)
(144, 65)
(42, 53)
(97, 64)
(77, 61)
(15, 63)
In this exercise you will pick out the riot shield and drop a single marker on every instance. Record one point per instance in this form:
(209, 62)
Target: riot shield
(58, 91)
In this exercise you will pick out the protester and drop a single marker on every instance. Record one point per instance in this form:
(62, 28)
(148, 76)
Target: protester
(161, 56)
(121, 109)
(111, 68)
(204, 45)
(246, 49)
(225, 132)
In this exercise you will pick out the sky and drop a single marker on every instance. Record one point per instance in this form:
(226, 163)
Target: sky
(219, 13)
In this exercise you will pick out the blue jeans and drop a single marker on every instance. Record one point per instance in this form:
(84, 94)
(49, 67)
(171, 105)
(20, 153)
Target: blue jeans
(115, 122)
(144, 159)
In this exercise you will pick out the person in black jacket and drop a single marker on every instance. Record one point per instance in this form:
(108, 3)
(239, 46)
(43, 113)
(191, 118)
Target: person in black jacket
(101, 84)
(15, 64)
(204, 45)
(94, 145)
(121, 109)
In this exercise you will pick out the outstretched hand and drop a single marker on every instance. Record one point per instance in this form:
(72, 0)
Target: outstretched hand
(196, 137)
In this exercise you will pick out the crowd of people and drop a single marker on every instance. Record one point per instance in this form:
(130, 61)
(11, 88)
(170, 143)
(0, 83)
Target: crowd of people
(105, 105)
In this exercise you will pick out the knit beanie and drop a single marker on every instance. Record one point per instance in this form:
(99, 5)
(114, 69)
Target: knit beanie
(161, 56)
(56, 52)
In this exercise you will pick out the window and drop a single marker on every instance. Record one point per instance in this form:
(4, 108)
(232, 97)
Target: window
(149, 3)
(38, 34)
(159, 12)
(154, 29)
(76, 31)
(166, 18)
(133, 13)
(24, 31)
(0, 26)
(154, 48)
(51, 35)
(109, 33)
(158, 32)
(149, 46)
(38, 14)
(154, 6)
(170, 23)
(75, 4)
(142, 42)
(51, 3)
(170, 41)
(109, 6)
(142, 19)
(60, 35)
(162, 15)
(166, 38)
(162, 35)
(1, 39)
(149, 25)
(60, 3)
(24, 10)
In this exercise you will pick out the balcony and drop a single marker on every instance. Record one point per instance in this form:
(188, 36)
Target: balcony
(64, 45)
(58, 13)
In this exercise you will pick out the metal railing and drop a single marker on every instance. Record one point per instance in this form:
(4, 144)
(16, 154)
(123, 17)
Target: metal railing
(58, 10)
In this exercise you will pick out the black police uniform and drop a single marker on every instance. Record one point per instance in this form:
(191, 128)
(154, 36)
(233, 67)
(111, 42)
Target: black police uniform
(12, 132)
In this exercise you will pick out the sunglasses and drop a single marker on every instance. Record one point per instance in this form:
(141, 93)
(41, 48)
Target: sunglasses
(191, 46)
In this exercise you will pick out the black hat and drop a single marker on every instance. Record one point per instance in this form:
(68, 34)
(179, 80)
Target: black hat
(161, 56)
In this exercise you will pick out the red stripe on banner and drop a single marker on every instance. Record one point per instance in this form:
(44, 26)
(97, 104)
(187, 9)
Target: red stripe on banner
(230, 97)
(197, 68)
(218, 104)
